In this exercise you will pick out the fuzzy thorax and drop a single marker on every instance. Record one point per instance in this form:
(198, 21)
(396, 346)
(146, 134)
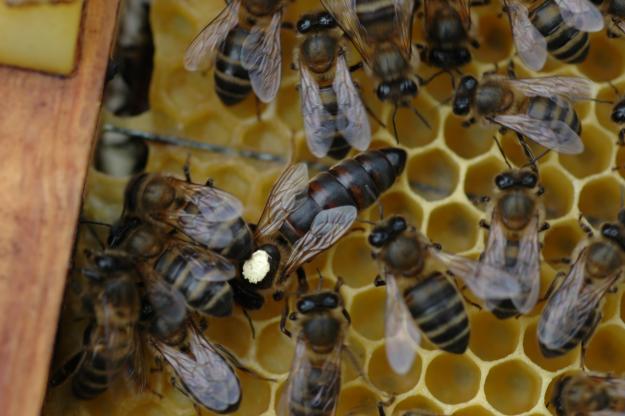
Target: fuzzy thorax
(256, 268)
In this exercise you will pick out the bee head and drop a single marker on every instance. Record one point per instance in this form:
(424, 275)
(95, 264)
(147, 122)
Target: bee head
(318, 302)
(104, 265)
(618, 112)
(310, 22)
(505, 181)
(528, 179)
(463, 98)
(614, 233)
(448, 58)
(398, 91)
(261, 268)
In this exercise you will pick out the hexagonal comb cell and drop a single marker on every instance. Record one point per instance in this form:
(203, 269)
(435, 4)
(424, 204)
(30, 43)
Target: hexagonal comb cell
(559, 192)
(274, 350)
(398, 203)
(596, 156)
(472, 411)
(432, 175)
(367, 312)
(604, 350)
(352, 261)
(467, 142)
(411, 130)
(532, 351)
(493, 46)
(512, 387)
(416, 402)
(604, 62)
(383, 376)
(454, 227)
(599, 200)
(492, 338)
(452, 378)
(268, 137)
(480, 177)
(358, 400)
(560, 241)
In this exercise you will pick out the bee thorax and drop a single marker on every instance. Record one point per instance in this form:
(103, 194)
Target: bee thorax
(256, 268)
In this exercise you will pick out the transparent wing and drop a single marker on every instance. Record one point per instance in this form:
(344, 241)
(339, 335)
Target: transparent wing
(327, 227)
(485, 281)
(619, 23)
(400, 332)
(319, 131)
(350, 108)
(169, 307)
(404, 10)
(197, 263)
(203, 372)
(464, 10)
(553, 134)
(283, 199)
(581, 14)
(320, 396)
(572, 88)
(201, 52)
(530, 43)
(262, 57)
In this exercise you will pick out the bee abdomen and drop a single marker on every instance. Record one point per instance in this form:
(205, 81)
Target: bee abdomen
(504, 309)
(439, 312)
(232, 81)
(584, 332)
(357, 182)
(376, 16)
(564, 42)
(339, 147)
(316, 395)
(94, 375)
(543, 108)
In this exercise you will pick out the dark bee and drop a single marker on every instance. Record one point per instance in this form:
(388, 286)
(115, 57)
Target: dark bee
(246, 58)
(586, 394)
(572, 312)
(301, 218)
(418, 294)
(557, 26)
(315, 377)
(200, 275)
(516, 216)
(205, 214)
(109, 341)
(334, 116)
(538, 108)
(447, 28)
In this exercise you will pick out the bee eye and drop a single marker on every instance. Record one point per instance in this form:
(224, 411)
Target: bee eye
(303, 25)
(305, 305)
(504, 181)
(384, 91)
(377, 238)
(529, 180)
(330, 302)
(610, 231)
(408, 87)
(469, 83)
(326, 20)
(398, 224)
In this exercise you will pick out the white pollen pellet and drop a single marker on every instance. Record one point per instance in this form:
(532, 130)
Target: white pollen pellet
(256, 268)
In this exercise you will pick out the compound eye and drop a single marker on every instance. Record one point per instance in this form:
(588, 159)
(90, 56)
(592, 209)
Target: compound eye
(305, 305)
(398, 224)
(610, 231)
(529, 180)
(330, 302)
(326, 20)
(384, 91)
(469, 82)
(504, 181)
(304, 24)
(408, 87)
(378, 238)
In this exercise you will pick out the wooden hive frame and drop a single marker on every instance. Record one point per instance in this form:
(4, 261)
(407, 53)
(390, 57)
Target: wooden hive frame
(47, 127)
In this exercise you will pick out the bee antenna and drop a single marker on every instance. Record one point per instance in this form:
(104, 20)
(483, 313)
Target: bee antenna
(93, 232)
(614, 88)
(505, 158)
(533, 161)
(367, 222)
(395, 125)
(423, 120)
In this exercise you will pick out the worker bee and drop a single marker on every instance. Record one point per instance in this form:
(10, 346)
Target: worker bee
(245, 59)
(618, 116)
(302, 218)
(200, 275)
(614, 15)
(381, 31)
(538, 108)
(516, 216)
(585, 394)
(314, 380)
(418, 294)
(572, 311)
(447, 28)
(558, 26)
(334, 115)
(205, 214)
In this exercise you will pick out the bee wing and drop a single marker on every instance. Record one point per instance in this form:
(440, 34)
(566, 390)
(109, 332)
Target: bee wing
(553, 134)
(203, 372)
(619, 23)
(581, 14)
(201, 264)
(299, 385)
(350, 108)
(464, 10)
(400, 332)
(404, 10)
(168, 304)
(485, 281)
(327, 227)
(261, 56)
(572, 88)
(529, 42)
(283, 199)
(201, 52)
(319, 131)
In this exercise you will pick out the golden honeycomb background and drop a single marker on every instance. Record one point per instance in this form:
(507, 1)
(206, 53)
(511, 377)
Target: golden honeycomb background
(503, 372)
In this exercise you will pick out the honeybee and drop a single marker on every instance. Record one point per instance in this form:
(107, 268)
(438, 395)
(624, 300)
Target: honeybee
(314, 380)
(334, 115)
(418, 294)
(303, 218)
(614, 15)
(447, 28)
(557, 26)
(205, 214)
(618, 116)
(517, 216)
(539, 108)
(584, 394)
(246, 58)
(572, 312)
(381, 31)
(199, 275)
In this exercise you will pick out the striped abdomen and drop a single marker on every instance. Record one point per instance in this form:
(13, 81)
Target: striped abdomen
(316, 391)
(563, 42)
(543, 108)
(357, 182)
(232, 82)
(187, 270)
(377, 17)
(339, 147)
(572, 340)
(438, 310)
(103, 361)
(505, 308)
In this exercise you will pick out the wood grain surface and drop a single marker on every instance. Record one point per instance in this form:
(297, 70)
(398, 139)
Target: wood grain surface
(47, 126)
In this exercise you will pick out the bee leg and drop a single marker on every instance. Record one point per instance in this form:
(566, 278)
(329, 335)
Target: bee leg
(355, 67)
(67, 369)
(250, 322)
(586, 339)
(468, 123)
(544, 227)
(302, 282)
(379, 281)
(621, 138)
(552, 286)
(585, 227)
(381, 411)
(485, 225)
(288, 26)
(186, 168)
(474, 43)
(258, 110)
(234, 361)
(283, 318)
(511, 70)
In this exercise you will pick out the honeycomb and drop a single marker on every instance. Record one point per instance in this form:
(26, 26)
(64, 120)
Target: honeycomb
(449, 167)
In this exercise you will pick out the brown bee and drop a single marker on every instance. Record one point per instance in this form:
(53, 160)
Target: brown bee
(586, 394)
(572, 312)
